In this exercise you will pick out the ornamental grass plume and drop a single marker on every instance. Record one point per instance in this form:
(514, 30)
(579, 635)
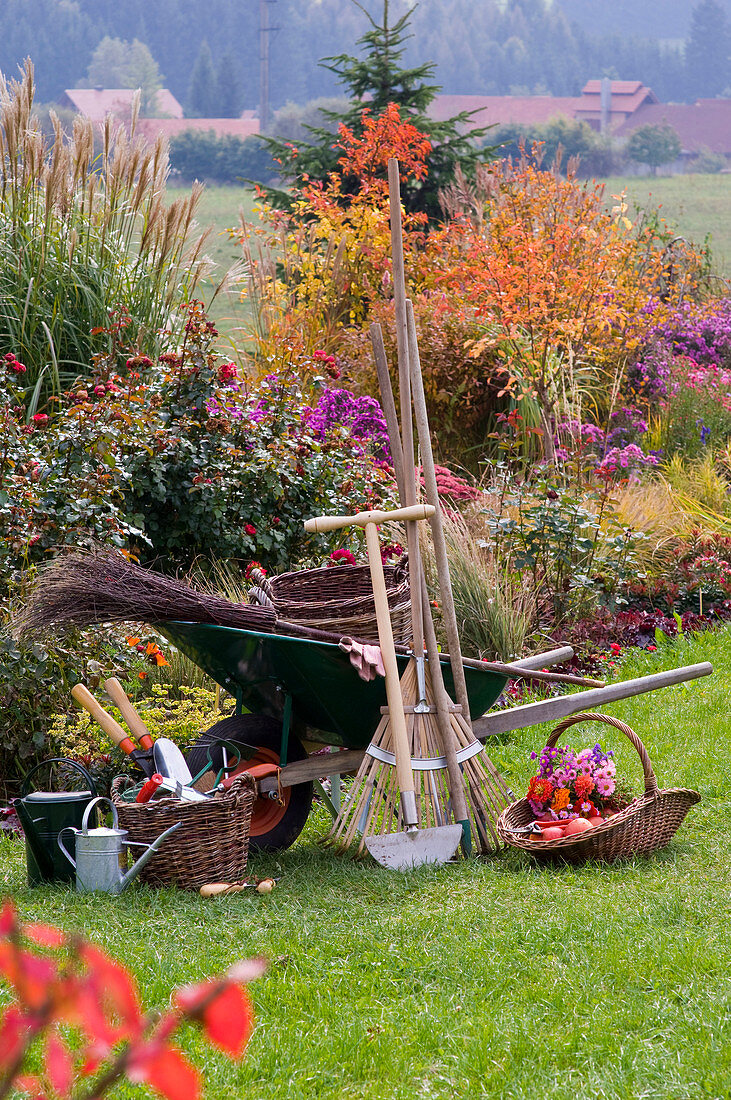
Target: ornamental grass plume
(496, 611)
(81, 233)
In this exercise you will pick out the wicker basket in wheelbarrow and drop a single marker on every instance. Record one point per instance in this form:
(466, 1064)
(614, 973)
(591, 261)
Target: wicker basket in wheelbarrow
(643, 826)
(338, 599)
(212, 844)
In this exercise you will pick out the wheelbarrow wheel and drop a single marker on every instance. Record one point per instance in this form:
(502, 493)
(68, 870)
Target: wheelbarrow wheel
(273, 826)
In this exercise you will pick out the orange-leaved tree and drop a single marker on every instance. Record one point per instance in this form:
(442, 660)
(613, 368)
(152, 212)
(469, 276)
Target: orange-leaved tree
(81, 1010)
(318, 267)
(561, 284)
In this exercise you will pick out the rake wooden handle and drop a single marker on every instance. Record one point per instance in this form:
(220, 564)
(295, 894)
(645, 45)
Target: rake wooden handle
(136, 726)
(111, 727)
(362, 519)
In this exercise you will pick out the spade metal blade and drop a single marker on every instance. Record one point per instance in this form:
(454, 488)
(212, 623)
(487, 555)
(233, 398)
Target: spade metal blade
(404, 851)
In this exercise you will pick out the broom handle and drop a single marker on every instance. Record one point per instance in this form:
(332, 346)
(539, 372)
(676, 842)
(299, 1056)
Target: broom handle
(407, 416)
(456, 788)
(389, 407)
(456, 785)
(440, 544)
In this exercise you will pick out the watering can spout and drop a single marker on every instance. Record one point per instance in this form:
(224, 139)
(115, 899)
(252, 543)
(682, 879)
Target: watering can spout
(146, 856)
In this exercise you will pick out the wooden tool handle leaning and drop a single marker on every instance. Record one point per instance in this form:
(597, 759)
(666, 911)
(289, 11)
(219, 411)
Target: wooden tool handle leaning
(214, 889)
(360, 519)
(112, 728)
(393, 684)
(137, 727)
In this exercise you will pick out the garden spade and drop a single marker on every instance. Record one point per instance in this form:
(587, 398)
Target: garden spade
(412, 846)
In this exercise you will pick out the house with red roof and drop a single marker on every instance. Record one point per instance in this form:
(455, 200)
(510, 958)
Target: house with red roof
(616, 107)
(97, 103)
(602, 104)
(703, 125)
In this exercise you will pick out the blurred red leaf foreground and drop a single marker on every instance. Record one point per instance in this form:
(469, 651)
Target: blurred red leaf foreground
(81, 1010)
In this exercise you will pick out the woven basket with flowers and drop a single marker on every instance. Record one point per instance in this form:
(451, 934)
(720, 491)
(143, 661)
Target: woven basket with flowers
(575, 808)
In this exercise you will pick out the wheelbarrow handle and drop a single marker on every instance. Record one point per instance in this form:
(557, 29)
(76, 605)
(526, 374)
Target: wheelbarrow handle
(360, 519)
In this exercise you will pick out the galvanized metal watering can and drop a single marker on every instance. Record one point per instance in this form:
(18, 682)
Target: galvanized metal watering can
(99, 853)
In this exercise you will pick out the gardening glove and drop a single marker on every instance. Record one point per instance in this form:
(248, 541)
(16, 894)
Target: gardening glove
(365, 659)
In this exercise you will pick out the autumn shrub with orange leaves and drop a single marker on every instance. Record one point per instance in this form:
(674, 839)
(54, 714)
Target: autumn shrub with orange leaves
(317, 269)
(530, 291)
(79, 1010)
(561, 286)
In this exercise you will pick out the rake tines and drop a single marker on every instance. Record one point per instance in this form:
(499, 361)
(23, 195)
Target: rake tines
(372, 805)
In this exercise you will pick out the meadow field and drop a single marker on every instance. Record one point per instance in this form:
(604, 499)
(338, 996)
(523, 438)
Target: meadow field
(697, 206)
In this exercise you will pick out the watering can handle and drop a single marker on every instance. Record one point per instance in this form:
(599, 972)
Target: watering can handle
(361, 519)
(62, 846)
(87, 811)
(57, 760)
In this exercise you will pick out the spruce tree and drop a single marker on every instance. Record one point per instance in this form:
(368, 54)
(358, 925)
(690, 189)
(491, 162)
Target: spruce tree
(708, 51)
(374, 80)
(203, 89)
(228, 88)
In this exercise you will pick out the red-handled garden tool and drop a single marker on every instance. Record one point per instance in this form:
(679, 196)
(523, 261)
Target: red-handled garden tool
(149, 761)
(113, 730)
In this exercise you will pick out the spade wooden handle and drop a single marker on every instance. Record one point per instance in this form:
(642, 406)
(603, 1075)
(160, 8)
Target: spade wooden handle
(388, 652)
(360, 519)
(111, 727)
(213, 889)
(137, 727)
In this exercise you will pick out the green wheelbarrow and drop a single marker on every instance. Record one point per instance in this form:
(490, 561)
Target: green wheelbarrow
(296, 698)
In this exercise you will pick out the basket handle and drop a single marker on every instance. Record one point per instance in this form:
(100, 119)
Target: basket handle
(587, 716)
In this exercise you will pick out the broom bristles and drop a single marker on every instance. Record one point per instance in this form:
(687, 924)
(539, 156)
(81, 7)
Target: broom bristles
(102, 586)
(373, 804)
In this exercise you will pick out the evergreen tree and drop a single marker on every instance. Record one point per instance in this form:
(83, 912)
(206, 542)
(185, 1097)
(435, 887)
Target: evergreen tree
(374, 80)
(708, 51)
(228, 88)
(203, 88)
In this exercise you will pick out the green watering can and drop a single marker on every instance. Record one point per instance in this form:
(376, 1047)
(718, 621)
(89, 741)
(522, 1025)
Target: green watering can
(43, 815)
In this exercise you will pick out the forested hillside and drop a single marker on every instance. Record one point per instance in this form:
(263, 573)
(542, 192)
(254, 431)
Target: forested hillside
(478, 46)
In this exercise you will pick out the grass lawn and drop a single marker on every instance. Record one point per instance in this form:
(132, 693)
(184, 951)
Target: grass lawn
(696, 205)
(220, 208)
(493, 978)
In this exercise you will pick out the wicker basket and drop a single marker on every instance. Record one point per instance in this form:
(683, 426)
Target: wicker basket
(339, 599)
(644, 826)
(212, 844)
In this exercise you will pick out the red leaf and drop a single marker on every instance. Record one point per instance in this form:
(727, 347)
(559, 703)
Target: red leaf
(14, 1027)
(31, 976)
(229, 1020)
(166, 1070)
(45, 935)
(59, 1064)
(8, 919)
(113, 983)
(30, 1084)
